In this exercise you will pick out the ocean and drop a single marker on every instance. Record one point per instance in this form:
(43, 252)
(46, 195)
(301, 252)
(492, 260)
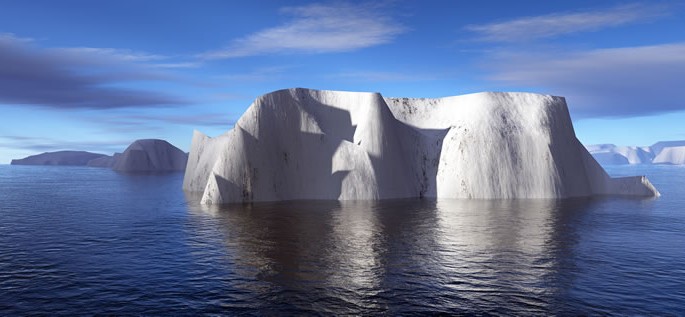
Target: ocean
(84, 241)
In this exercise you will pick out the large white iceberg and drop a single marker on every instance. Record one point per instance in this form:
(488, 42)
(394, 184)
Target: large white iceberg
(609, 154)
(674, 155)
(312, 144)
(665, 152)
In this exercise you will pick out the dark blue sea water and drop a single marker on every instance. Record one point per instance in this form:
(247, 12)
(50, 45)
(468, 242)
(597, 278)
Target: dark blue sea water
(82, 241)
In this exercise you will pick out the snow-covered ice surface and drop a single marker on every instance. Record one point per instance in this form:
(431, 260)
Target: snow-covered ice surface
(312, 144)
(665, 152)
(149, 155)
(671, 155)
(618, 155)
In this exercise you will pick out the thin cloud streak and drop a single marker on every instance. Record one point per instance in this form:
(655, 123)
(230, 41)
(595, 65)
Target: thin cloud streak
(618, 82)
(317, 28)
(558, 24)
(40, 144)
(122, 55)
(107, 56)
(178, 65)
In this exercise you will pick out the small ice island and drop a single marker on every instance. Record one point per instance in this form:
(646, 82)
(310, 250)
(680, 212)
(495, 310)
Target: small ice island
(150, 155)
(147, 155)
(314, 144)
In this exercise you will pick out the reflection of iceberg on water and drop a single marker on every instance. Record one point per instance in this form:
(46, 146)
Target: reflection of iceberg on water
(361, 256)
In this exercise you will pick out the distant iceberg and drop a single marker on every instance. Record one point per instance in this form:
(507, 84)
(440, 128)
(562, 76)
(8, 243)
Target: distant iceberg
(69, 158)
(665, 152)
(148, 155)
(312, 144)
(106, 161)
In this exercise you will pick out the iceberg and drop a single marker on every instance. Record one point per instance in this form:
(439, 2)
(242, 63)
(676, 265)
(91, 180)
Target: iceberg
(664, 152)
(661, 145)
(70, 158)
(609, 154)
(105, 161)
(314, 144)
(674, 155)
(149, 155)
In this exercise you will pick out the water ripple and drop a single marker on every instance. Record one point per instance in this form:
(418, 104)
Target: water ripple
(133, 245)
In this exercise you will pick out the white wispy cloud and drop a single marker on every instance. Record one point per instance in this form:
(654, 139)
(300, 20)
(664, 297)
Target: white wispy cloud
(557, 24)
(124, 55)
(45, 144)
(177, 65)
(616, 82)
(7, 37)
(116, 55)
(317, 28)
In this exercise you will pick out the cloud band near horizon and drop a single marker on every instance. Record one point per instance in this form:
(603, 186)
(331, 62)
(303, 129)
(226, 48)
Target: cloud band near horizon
(558, 24)
(76, 78)
(609, 83)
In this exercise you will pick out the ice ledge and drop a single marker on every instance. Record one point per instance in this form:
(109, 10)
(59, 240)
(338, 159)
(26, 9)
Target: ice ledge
(632, 186)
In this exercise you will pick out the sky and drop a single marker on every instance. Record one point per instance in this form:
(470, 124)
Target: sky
(97, 75)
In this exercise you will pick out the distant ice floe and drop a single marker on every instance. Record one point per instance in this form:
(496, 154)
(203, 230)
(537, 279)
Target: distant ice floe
(665, 152)
(148, 155)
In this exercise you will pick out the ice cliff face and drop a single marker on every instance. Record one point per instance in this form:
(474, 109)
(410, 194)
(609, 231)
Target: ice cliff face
(149, 155)
(310, 144)
(665, 152)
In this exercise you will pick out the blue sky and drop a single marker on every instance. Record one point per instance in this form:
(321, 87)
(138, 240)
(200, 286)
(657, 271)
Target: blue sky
(96, 75)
